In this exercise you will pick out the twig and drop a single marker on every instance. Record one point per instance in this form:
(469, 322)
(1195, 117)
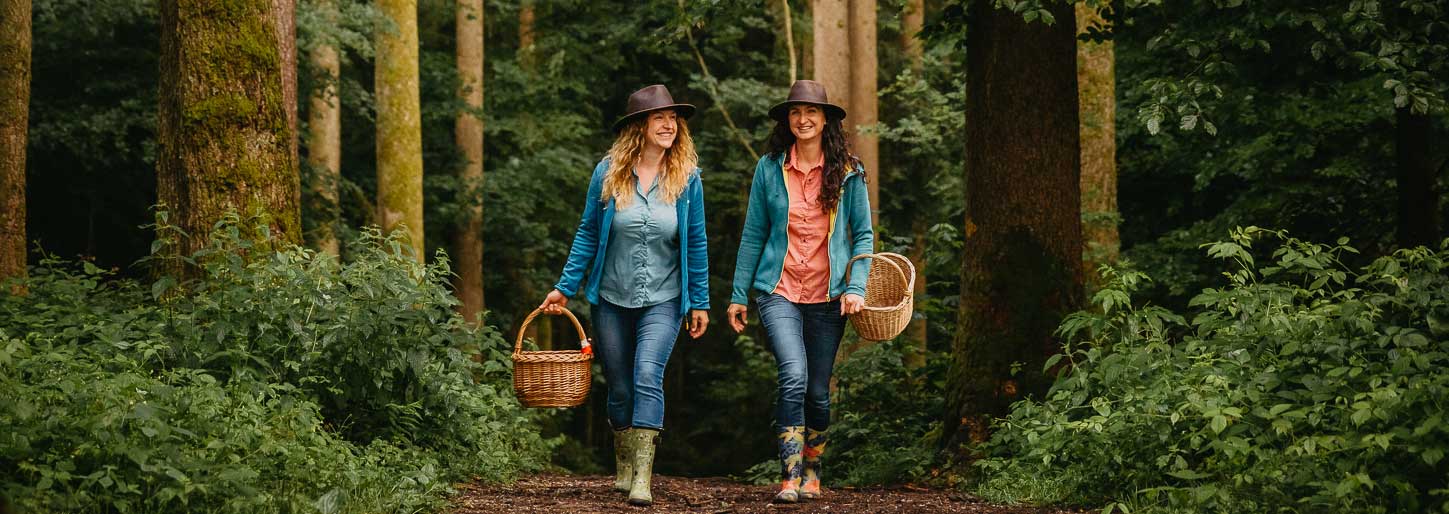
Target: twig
(789, 38)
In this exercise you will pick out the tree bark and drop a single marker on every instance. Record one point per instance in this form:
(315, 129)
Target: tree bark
(286, 25)
(468, 131)
(324, 140)
(526, 35)
(863, 98)
(224, 142)
(831, 48)
(1022, 264)
(399, 128)
(1097, 92)
(912, 19)
(14, 127)
(1418, 200)
(917, 332)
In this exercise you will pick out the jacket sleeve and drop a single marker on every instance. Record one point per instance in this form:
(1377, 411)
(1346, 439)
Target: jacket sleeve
(586, 238)
(698, 247)
(752, 241)
(862, 234)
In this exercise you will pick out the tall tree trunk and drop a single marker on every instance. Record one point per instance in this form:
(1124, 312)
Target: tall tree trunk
(468, 130)
(1097, 92)
(1418, 200)
(399, 124)
(526, 35)
(224, 140)
(912, 19)
(324, 139)
(14, 126)
(917, 332)
(286, 26)
(1022, 267)
(863, 97)
(844, 39)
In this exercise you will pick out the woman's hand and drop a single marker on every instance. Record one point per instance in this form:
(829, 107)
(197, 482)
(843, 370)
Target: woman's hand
(698, 321)
(554, 303)
(851, 304)
(736, 315)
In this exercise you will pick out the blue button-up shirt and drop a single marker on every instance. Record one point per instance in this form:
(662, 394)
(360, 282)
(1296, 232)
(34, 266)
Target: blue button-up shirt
(642, 267)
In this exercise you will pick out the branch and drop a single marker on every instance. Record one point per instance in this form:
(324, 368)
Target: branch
(713, 90)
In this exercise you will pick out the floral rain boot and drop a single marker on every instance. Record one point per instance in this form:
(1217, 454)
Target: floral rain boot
(814, 446)
(792, 444)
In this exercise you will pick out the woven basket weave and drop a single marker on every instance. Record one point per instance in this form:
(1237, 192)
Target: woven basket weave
(558, 378)
(888, 296)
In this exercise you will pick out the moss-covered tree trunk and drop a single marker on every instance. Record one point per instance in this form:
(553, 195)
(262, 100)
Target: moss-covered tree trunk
(224, 138)
(468, 131)
(399, 123)
(324, 139)
(14, 120)
(1418, 209)
(286, 26)
(1097, 87)
(912, 19)
(1022, 262)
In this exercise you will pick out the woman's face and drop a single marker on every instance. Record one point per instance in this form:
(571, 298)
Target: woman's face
(661, 128)
(807, 121)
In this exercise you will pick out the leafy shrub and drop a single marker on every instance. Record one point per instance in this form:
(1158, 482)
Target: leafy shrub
(275, 381)
(1300, 386)
(886, 417)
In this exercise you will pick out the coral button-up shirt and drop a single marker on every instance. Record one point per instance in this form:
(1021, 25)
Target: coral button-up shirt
(806, 275)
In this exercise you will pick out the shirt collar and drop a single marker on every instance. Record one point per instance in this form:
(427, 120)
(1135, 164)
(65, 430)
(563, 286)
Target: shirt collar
(793, 162)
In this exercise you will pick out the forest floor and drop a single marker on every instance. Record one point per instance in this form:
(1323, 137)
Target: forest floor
(568, 494)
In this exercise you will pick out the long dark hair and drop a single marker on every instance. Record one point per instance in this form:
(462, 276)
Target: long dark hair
(838, 158)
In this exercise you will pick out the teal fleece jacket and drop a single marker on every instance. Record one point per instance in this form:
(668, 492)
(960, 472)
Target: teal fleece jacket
(761, 258)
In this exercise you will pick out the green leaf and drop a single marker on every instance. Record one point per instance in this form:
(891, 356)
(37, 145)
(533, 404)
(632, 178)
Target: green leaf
(1219, 423)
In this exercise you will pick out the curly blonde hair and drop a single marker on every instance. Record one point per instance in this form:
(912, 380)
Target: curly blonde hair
(679, 161)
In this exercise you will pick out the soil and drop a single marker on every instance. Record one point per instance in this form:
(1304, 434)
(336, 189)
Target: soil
(571, 494)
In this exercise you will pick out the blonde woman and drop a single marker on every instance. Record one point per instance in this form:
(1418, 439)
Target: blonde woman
(642, 239)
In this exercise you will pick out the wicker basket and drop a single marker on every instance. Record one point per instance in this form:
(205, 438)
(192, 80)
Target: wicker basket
(888, 296)
(559, 378)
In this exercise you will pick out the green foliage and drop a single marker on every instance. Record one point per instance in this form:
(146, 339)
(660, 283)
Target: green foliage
(887, 419)
(1300, 386)
(277, 381)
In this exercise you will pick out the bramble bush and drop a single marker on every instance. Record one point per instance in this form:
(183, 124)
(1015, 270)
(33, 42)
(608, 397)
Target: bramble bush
(280, 381)
(1299, 386)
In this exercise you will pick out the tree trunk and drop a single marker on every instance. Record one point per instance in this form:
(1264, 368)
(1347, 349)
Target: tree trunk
(1096, 83)
(1418, 200)
(912, 19)
(324, 140)
(468, 130)
(526, 35)
(787, 23)
(1022, 266)
(14, 126)
(863, 98)
(224, 140)
(831, 48)
(917, 332)
(399, 128)
(286, 26)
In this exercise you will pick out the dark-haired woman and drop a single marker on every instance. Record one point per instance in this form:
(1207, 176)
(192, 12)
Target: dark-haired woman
(642, 238)
(809, 214)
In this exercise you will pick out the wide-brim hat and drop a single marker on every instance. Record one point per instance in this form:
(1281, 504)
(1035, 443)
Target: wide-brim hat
(650, 99)
(805, 92)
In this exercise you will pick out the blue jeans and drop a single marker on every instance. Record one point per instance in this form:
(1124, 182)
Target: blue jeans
(804, 338)
(634, 346)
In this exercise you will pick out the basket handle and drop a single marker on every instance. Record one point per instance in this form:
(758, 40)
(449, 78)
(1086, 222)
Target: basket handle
(910, 277)
(585, 345)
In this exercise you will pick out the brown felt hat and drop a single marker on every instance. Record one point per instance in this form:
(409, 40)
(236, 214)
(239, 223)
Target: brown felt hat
(805, 92)
(649, 99)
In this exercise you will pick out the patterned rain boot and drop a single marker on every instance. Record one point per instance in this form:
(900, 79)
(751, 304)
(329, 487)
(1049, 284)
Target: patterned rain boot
(642, 441)
(792, 443)
(814, 446)
(623, 461)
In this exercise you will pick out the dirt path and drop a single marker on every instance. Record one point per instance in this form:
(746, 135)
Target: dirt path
(565, 494)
